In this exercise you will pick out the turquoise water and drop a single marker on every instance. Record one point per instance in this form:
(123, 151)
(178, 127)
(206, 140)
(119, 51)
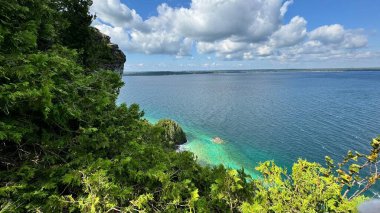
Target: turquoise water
(261, 116)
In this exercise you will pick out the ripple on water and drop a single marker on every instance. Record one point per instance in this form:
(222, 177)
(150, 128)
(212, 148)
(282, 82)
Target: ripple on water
(265, 116)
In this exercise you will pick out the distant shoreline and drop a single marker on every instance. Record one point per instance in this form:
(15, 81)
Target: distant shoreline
(158, 73)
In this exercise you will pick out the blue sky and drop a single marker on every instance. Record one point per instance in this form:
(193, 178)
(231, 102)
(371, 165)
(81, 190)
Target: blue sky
(242, 34)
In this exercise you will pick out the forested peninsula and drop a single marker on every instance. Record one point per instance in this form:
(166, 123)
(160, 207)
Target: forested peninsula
(66, 146)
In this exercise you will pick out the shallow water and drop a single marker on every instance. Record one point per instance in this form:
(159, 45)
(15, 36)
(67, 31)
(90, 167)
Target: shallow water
(261, 116)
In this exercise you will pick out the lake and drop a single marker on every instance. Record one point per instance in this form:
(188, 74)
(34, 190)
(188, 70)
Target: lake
(280, 116)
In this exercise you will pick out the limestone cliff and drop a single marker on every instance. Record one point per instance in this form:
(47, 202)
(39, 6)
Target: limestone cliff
(109, 56)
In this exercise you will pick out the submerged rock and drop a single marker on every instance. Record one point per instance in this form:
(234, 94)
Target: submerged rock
(172, 133)
(217, 140)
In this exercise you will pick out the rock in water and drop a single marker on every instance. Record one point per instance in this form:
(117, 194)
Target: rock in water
(217, 140)
(172, 133)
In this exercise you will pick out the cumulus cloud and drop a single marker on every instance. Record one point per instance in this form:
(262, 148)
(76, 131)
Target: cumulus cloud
(229, 29)
(210, 20)
(225, 46)
(328, 34)
(264, 50)
(354, 39)
(290, 34)
(116, 13)
(337, 35)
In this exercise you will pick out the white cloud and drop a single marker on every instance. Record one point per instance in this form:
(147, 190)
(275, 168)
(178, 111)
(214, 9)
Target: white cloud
(285, 6)
(328, 34)
(230, 29)
(158, 43)
(225, 46)
(116, 13)
(264, 50)
(354, 39)
(335, 35)
(211, 20)
(290, 34)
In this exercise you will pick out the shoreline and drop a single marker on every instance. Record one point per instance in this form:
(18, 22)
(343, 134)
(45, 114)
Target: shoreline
(209, 153)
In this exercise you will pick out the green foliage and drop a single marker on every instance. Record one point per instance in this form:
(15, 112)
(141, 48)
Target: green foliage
(307, 189)
(65, 146)
(231, 189)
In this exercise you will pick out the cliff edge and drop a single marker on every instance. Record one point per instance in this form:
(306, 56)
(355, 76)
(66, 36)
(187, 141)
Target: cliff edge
(109, 57)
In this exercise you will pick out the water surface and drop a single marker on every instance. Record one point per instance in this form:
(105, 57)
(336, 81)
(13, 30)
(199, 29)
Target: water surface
(261, 116)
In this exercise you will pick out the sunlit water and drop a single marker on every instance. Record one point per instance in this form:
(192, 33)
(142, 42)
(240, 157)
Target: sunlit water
(261, 116)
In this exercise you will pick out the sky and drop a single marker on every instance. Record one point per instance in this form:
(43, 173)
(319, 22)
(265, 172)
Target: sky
(183, 35)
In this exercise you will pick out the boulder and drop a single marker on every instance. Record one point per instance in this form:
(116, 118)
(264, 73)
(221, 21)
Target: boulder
(172, 133)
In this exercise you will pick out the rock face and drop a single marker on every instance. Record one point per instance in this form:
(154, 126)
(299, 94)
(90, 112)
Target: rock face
(112, 58)
(173, 133)
(118, 61)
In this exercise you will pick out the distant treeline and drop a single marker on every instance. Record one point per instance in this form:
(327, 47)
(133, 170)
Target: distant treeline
(152, 73)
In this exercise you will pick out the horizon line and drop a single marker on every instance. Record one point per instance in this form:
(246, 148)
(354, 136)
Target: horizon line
(163, 72)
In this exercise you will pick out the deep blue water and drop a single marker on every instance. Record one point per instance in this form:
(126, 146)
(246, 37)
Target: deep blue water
(279, 116)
